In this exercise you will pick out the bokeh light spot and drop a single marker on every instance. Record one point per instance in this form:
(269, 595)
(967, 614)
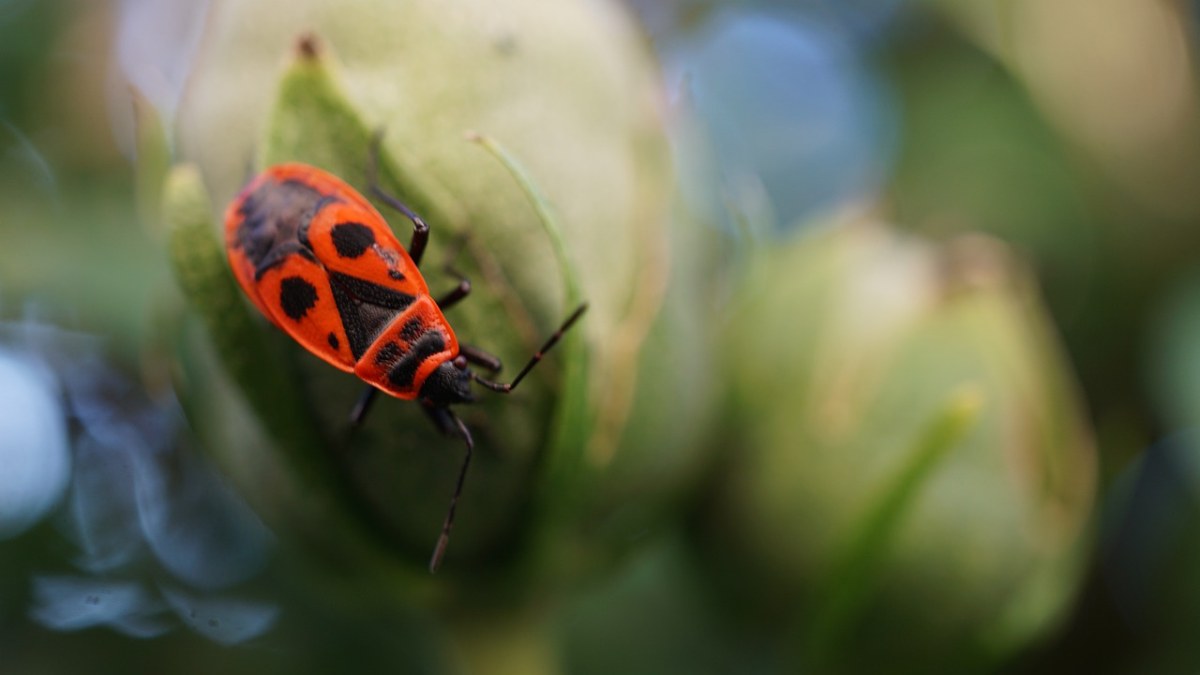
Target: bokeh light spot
(33, 445)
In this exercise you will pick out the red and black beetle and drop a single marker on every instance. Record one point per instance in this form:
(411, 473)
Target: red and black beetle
(322, 264)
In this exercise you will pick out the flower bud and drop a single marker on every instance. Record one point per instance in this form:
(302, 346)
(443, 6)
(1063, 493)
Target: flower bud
(907, 462)
(569, 94)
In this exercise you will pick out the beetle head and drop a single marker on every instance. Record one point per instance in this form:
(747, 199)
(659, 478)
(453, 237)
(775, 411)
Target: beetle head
(449, 384)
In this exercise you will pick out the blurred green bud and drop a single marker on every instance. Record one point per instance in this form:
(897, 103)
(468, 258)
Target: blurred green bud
(565, 202)
(908, 462)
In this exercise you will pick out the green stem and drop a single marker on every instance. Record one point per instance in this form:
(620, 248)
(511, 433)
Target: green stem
(545, 214)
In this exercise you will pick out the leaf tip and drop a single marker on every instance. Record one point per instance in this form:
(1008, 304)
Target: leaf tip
(308, 46)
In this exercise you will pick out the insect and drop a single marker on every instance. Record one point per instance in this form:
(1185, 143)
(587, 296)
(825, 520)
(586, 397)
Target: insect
(322, 264)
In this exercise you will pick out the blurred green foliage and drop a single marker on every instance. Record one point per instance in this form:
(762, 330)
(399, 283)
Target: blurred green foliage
(775, 468)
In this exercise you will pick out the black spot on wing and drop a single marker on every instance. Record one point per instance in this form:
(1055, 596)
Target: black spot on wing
(402, 374)
(296, 297)
(352, 239)
(333, 341)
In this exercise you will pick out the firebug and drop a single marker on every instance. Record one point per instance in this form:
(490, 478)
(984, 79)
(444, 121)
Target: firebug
(322, 264)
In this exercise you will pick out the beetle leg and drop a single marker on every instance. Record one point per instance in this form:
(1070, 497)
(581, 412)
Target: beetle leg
(420, 235)
(462, 290)
(464, 284)
(444, 538)
(473, 355)
(364, 404)
(480, 358)
(440, 416)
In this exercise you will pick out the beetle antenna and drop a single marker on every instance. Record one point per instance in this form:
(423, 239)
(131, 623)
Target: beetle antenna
(537, 356)
(440, 550)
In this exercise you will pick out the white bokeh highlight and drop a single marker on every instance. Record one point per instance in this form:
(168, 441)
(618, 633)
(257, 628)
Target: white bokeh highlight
(35, 459)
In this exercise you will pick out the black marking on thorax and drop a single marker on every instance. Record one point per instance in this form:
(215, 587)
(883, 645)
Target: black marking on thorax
(275, 220)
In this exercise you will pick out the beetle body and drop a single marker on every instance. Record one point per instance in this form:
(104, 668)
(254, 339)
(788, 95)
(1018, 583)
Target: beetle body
(323, 265)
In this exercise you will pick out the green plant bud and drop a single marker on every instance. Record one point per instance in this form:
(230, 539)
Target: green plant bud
(566, 201)
(659, 460)
(153, 160)
(908, 462)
